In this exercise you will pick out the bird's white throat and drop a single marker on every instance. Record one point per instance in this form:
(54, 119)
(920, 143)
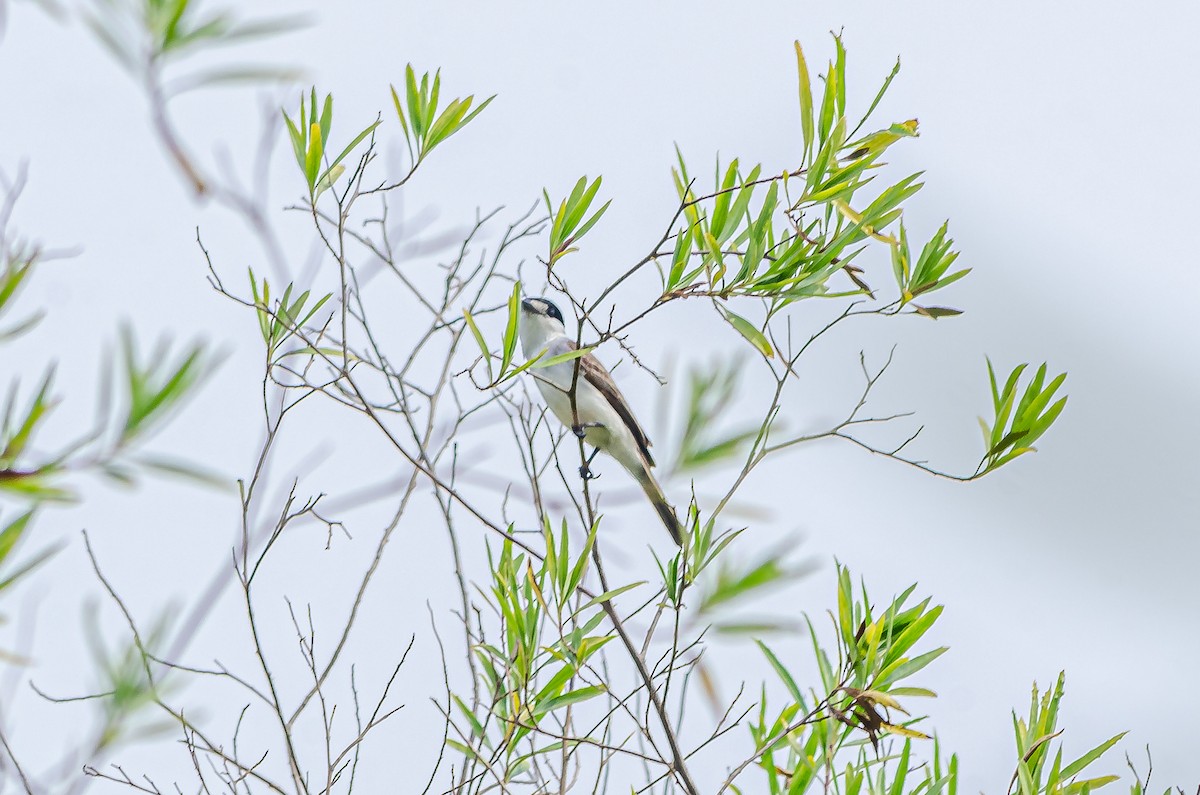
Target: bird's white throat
(536, 331)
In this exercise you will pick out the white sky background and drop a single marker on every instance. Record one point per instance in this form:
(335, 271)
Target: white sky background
(1057, 138)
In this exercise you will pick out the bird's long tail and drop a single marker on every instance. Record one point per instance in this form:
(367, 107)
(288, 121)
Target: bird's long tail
(665, 512)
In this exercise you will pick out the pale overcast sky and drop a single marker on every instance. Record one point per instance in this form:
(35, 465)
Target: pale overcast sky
(1056, 137)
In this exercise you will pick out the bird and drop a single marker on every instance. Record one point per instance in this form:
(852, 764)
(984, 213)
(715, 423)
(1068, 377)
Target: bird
(599, 413)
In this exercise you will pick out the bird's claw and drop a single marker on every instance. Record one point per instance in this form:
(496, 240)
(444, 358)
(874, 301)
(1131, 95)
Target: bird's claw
(586, 473)
(581, 430)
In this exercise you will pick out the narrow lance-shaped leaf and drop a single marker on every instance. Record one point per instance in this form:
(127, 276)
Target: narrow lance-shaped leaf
(840, 71)
(879, 96)
(510, 330)
(40, 405)
(828, 103)
(569, 356)
(1078, 766)
(566, 699)
(785, 676)
(610, 595)
(590, 222)
(350, 147)
(414, 104)
(750, 332)
(326, 116)
(312, 160)
(299, 142)
(806, 102)
(12, 533)
(483, 347)
(579, 202)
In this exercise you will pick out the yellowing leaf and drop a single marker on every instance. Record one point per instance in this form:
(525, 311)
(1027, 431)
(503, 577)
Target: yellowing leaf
(855, 217)
(883, 699)
(904, 731)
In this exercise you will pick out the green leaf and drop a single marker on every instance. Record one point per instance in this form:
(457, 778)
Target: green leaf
(11, 534)
(431, 100)
(30, 565)
(556, 683)
(806, 101)
(722, 201)
(297, 139)
(328, 178)
(920, 692)
(465, 750)
(1078, 766)
(571, 211)
(312, 160)
(326, 117)
(182, 469)
(510, 330)
(784, 675)
(479, 109)
(1080, 787)
(483, 346)
(446, 124)
(477, 729)
(610, 595)
(828, 103)
(912, 633)
(538, 363)
(566, 699)
(879, 96)
(41, 404)
(578, 203)
(1026, 778)
(904, 668)
(581, 564)
(358, 139)
(679, 258)
(840, 71)
(415, 106)
(589, 223)
(752, 334)
(152, 391)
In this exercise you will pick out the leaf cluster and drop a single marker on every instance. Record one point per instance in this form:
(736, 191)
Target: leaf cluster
(156, 388)
(929, 272)
(1018, 423)
(125, 680)
(781, 238)
(710, 393)
(280, 320)
(309, 134)
(859, 693)
(424, 127)
(17, 431)
(790, 243)
(150, 392)
(541, 664)
(567, 224)
(1040, 768)
(137, 32)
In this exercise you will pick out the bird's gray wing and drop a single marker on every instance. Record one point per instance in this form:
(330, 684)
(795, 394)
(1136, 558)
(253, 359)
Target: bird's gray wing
(591, 369)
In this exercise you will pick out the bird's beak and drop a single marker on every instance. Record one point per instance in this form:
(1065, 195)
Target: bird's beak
(528, 306)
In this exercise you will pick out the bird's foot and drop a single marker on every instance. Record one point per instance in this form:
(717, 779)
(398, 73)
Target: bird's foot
(581, 429)
(585, 469)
